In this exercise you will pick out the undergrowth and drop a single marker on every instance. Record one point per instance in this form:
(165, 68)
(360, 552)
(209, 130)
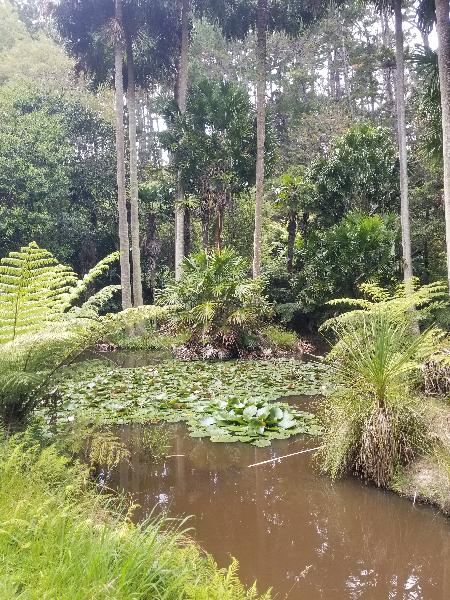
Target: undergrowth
(60, 539)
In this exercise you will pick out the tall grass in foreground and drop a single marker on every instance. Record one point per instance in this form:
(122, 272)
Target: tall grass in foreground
(60, 540)
(374, 421)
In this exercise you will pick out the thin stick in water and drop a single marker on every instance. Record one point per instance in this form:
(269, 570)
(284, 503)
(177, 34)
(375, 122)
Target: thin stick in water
(264, 462)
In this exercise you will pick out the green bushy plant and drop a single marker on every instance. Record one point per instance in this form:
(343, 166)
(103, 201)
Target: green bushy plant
(336, 259)
(406, 299)
(373, 418)
(42, 329)
(216, 302)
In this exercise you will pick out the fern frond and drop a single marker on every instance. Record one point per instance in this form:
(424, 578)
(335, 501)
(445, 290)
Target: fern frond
(94, 304)
(422, 300)
(32, 289)
(82, 284)
(30, 361)
(36, 289)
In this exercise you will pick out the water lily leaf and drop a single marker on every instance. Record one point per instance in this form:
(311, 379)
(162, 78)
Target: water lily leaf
(231, 400)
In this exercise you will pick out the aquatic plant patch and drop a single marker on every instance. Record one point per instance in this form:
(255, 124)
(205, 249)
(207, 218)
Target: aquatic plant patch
(231, 401)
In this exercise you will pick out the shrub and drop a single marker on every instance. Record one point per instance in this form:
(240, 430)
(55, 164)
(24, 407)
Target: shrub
(216, 303)
(374, 422)
(280, 338)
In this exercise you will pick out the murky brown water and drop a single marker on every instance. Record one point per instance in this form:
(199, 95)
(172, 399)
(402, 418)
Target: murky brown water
(292, 529)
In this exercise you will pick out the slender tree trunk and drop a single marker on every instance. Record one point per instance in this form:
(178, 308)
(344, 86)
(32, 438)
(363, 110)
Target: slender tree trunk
(187, 230)
(181, 99)
(261, 30)
(134, 190)
(152, 250)
(292, 231)
(387, 72)
(443, 33)
(219, 225)
(205, 218)
(125, 275)
(403, 155)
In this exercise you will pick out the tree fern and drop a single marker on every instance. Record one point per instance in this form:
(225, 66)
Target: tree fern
(35, 289)
(422, 301)
(41, 331)
(29, 362)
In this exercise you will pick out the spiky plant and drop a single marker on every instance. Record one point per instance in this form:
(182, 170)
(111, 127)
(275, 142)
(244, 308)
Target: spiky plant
(216, 301)
(373, 419)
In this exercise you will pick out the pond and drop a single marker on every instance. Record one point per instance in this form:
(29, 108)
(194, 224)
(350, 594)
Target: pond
(290, 528)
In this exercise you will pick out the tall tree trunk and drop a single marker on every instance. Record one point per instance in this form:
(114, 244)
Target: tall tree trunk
(443, 33)
(205, 219)
(219, 225)
(292, 231)
(181, 99)
(151, 248)
(187, 230)
(134, 190)
(261, 32)
(125, 275)
(403, 153)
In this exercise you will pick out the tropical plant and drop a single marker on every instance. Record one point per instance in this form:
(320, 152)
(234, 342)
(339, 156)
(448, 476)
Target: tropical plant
(36, 289)
(40, 329)
(426, 62)
(423, 300)
(293, 193)
(359, 173)
(374, 421)
(213, 147)
(216, 302)
(335, 260)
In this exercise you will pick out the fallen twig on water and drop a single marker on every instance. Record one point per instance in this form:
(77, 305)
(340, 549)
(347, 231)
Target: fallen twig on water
(264, 462)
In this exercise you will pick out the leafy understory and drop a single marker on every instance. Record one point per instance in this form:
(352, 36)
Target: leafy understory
(227, 402)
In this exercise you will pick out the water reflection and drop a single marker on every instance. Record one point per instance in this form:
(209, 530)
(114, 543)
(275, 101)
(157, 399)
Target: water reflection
(291, 528)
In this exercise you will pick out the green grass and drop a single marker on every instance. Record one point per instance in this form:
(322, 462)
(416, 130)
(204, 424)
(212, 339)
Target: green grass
(280, 338)
(150, 340)
(61, 540)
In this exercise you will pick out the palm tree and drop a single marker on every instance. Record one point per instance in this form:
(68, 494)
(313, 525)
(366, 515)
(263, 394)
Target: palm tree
(443, 33)
(261, 32)
(182, 84)
(124, 243)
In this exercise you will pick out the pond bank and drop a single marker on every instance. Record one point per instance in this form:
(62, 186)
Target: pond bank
(427, 479)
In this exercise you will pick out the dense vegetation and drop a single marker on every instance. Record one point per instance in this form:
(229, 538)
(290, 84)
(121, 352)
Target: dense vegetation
(237, 185)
